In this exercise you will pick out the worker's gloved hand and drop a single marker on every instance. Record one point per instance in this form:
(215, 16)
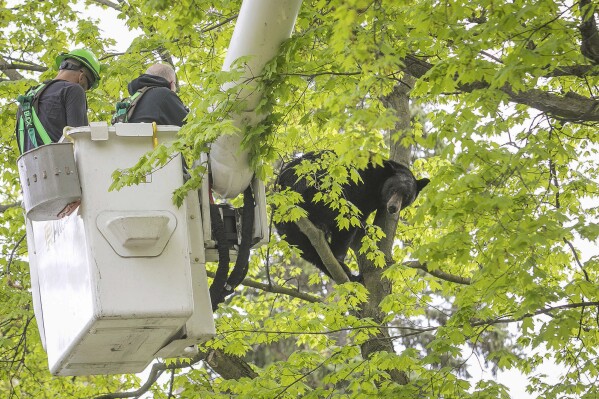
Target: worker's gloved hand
(70, 208)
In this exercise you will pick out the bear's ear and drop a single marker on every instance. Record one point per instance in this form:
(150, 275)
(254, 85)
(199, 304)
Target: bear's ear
(388, 165)
(393, 167)
(421, 183)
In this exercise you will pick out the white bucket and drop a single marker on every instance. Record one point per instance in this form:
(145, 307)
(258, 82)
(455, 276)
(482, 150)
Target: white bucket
(49, 180)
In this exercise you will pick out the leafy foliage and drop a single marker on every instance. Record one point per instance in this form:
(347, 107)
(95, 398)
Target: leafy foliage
(497, 260)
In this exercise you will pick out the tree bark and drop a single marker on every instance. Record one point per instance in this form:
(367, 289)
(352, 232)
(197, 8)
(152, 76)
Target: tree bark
(377, 285)
(7, 68)
(228, 366)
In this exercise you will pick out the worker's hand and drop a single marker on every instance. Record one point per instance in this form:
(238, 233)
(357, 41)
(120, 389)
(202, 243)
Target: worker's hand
(70, 208)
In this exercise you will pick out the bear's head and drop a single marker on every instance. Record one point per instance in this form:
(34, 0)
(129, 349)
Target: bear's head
(400, 188)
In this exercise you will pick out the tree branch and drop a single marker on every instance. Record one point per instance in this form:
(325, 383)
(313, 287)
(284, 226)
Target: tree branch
(411, 331)
(546, 311)
(379, 288)
(319, 242)
(577, 259)
(7, 67)
(304, 375)
(228, 366)
(501, 320)
(108, 3)
(218, 25)
(570, 107)
(276, 289)
(12, 255)
(438, 273)
(157, 369)
(10, 73)
(163, 53)
(573, 70)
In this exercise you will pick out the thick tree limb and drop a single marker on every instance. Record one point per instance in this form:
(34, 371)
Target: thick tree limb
(319, 242)
(12, 67)
(415, 66)
(276, 289)
(578, 71)
(228, 366)
(570, 107)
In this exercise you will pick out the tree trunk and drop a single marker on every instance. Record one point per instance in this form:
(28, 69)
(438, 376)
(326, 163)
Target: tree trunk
(377, 286)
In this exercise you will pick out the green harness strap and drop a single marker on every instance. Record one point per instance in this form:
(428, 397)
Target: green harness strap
(29, 121)
(21, 135)
(125, 107)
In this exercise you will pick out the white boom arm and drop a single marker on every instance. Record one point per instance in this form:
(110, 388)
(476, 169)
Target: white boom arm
(260, 29)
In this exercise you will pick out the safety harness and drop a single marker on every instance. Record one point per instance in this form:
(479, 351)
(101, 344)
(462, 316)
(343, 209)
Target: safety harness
(28, 123)
(125, 107)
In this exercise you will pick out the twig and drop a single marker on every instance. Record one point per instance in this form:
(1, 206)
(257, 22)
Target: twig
(438, 273)
(500, 320)
(307, 374)
(12, 254)
(108, 3)
(327, 332)
(577, 259)
(171, 385)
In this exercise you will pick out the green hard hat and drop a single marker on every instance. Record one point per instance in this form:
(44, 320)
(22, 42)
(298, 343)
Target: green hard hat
(87, 58)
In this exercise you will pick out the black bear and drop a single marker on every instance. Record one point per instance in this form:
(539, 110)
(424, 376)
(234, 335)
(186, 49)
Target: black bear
(391, 186)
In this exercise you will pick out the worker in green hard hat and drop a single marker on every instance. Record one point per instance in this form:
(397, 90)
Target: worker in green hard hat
(45, 110)
(84, 58)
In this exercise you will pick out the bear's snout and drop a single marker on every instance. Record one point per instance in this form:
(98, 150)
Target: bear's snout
(394, 204)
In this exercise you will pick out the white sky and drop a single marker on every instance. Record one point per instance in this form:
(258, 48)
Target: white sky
(110, 25)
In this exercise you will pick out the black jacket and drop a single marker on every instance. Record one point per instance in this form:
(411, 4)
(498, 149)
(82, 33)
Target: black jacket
(160, 104)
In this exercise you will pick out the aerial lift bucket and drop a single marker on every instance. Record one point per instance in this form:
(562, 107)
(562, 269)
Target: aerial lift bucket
(120, 281)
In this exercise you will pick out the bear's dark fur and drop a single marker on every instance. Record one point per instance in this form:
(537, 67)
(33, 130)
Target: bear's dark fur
(391, 186)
